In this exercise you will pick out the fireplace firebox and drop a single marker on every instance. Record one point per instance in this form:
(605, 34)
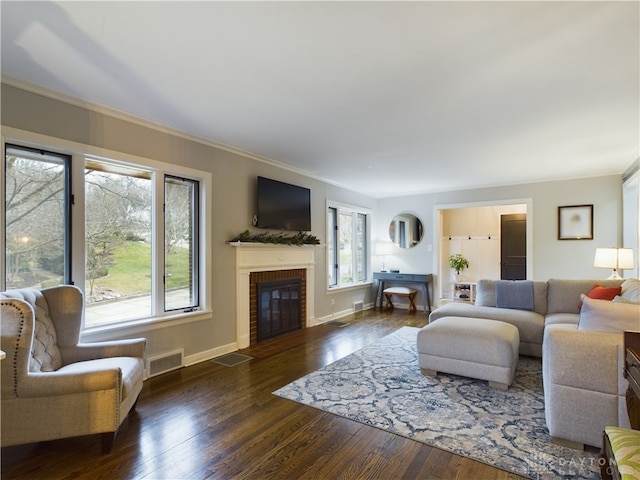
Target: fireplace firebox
(279, 307)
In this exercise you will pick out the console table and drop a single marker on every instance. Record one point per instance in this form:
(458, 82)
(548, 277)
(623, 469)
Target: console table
(422, 280)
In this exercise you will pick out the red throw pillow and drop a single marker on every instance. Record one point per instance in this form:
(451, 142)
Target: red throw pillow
(604, 293)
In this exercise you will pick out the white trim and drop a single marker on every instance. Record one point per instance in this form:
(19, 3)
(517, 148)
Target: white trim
(368, 212)
(57, 145)
(255, 257)
(120, 115)
(437, 227)
(210, 354)
(142, 327)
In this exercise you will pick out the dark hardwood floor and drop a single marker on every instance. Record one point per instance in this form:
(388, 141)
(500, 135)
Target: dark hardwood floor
(217, 422)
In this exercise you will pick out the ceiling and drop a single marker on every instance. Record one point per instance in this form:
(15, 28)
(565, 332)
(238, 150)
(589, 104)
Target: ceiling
(384, 98)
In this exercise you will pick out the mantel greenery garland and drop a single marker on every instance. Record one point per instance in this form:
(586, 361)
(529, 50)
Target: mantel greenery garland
(298, 239)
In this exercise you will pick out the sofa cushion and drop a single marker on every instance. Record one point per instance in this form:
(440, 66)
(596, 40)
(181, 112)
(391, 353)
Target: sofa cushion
(604, 293)
(486, 295)
(516, 294)
(562, 319)
(563, 295)
(607, 316)
(131, 368)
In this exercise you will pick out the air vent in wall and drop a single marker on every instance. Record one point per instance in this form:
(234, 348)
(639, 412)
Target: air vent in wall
(165, 363)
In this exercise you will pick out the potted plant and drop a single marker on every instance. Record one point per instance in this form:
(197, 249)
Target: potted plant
(458, 263)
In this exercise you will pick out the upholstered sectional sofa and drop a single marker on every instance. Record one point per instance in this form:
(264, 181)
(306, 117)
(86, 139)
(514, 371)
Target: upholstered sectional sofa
(581, 344)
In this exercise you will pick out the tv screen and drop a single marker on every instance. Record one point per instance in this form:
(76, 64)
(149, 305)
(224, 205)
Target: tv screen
(283, 206)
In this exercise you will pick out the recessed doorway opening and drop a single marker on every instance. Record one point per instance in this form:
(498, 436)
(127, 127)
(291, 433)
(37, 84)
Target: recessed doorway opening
(476, 231)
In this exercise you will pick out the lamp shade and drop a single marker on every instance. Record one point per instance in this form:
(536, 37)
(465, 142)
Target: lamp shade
(614, 258)
(606, 258)
(625, 258)
(384, 248)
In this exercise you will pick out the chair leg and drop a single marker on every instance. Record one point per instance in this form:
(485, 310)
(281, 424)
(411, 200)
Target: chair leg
(389, 304)
(107, 441)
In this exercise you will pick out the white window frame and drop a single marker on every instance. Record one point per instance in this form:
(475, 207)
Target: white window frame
(355, 210)
(79, 153)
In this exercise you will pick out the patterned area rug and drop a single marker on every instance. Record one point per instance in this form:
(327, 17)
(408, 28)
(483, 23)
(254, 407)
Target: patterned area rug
(382, 386)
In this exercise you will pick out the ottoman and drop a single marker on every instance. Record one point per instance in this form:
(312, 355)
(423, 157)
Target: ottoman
(470, 347)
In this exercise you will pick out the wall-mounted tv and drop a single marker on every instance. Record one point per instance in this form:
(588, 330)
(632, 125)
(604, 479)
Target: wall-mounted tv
(282, 206)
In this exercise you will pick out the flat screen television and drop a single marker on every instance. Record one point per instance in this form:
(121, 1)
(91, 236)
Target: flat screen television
(282, 206)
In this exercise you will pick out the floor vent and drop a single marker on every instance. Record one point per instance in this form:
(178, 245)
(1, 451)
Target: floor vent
(358, 306)
(165, 363)
(232, 359)
(337, 323)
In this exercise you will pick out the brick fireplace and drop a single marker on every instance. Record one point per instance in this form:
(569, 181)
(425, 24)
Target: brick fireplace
(256, 261)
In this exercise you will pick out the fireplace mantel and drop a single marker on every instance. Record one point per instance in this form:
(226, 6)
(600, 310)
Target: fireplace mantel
(260, 257)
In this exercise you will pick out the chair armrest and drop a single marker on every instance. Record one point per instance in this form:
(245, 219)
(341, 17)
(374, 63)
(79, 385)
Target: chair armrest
(65, 383)
(16, 333)
(90, 351)
(585, 359)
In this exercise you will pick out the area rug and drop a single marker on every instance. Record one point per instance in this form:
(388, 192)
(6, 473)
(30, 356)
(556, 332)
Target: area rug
(382, 386)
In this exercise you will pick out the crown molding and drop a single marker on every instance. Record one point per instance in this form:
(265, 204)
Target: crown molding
(120, 115)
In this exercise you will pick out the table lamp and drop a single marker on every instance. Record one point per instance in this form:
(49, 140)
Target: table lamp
(615, 259)
(383, 249)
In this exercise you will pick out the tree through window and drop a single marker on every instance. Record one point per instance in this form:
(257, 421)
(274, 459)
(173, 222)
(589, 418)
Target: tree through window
(129, 211)
(37, 217)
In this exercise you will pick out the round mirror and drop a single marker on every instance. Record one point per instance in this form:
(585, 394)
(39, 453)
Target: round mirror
(405, 230)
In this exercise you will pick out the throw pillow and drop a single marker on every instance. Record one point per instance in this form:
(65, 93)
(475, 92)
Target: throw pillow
(631, 290)
(604, 293)
(621, 299)
(607, 316)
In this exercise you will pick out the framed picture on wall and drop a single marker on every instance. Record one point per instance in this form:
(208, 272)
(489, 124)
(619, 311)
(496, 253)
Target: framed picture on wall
(575, 222)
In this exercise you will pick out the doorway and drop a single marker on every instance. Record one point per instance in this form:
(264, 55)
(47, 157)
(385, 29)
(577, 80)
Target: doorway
(474, 230)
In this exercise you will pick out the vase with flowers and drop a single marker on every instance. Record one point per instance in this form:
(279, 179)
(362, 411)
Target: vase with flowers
(458, 263)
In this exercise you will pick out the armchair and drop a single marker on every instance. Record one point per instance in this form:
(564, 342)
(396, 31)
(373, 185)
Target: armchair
(53, 386)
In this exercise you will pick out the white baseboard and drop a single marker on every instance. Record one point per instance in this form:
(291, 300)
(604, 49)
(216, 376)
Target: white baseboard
(340, 314)
(210, 354)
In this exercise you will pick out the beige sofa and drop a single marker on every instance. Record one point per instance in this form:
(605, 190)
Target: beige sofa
(582, 365)
(53, 386)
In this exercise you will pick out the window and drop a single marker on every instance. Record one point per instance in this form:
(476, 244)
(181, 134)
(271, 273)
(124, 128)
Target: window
(37, 218)
(118, 241)
(347, 245)
(141, 225)
(180, 243)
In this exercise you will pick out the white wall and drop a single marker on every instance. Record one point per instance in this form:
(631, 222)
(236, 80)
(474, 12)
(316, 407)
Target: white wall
(550, 257)
(233, 188)
(233, 208)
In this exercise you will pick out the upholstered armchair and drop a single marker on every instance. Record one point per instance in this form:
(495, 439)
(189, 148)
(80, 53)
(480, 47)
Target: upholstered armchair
(53, 386)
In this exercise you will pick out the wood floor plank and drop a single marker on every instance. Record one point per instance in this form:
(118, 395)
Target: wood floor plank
(217, 422)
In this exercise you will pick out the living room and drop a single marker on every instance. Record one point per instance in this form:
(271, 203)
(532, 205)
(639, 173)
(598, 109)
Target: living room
(39, 116)
(216, 335)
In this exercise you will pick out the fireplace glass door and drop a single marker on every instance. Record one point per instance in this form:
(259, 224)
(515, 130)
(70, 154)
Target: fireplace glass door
(279, 307)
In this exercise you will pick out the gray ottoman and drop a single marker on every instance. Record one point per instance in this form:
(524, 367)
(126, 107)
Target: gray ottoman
(470, 347)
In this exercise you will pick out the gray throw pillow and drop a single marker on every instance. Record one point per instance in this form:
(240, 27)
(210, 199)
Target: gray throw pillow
(607, 316)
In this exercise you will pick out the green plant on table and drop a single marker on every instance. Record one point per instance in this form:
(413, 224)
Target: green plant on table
(458, 263)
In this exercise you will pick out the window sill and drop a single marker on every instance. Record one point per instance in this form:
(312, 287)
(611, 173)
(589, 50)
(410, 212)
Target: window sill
(353, 286)
(141, 326)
